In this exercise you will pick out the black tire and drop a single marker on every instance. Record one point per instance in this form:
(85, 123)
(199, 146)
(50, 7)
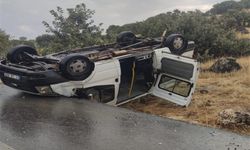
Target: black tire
(126, 38)
(76, 67)
(16, 54)
(176, 43)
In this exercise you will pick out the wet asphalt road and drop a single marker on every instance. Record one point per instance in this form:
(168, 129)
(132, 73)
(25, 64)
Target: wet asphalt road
(36, 123)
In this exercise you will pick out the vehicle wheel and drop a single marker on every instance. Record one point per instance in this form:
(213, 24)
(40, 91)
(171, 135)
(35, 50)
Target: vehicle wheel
(126, 38)
(16, 54)
(76, 67)
(176, 43)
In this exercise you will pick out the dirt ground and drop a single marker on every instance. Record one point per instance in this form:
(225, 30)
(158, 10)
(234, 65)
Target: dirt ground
(214, 93)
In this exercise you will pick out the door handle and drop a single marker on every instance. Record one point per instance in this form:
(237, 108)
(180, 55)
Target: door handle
(170, 94)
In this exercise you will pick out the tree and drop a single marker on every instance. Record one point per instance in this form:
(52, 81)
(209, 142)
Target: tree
(22, 38)
(44, 40)
(22, 41)
(75, 30)
(112, 32)
(208, 31)
(225, 6)
(245, 3)
(44, 43)
(4, 42)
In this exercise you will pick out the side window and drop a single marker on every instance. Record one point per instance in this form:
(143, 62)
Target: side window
(175, 86)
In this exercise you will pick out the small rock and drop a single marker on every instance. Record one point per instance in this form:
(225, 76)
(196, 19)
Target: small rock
(238, 117)
(213, 133)
(224, 65)
(206, 89)
(203, 91)
(208, 103)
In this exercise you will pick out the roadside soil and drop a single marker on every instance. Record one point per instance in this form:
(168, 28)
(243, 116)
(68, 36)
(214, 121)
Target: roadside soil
(214, 93)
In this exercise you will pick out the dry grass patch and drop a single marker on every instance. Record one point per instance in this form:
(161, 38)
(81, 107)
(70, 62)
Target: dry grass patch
(214, 93)
(243, 36)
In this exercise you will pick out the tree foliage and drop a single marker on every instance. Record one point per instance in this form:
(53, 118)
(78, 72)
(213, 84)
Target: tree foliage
(225, 6)
(75, 30)
(212, 36)
(232, 13)
(4, 42)
(22, 41)
(245, 4)
(45, 43)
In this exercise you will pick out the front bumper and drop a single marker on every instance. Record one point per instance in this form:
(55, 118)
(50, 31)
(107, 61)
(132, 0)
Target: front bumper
(28, 81)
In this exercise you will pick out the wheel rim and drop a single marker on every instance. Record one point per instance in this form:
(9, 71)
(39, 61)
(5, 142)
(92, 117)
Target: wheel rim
(77, 66)
(178, 43)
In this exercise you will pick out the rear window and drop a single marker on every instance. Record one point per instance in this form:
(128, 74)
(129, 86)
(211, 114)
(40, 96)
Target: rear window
(175, 86)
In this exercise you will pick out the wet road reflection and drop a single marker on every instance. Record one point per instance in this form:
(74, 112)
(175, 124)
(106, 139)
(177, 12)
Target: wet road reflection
(30, 122)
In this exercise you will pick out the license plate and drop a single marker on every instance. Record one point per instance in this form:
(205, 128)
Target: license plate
(12, 76)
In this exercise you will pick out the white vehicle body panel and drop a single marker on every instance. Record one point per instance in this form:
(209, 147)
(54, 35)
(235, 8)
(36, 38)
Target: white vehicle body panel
(168, 95)
(106, 72)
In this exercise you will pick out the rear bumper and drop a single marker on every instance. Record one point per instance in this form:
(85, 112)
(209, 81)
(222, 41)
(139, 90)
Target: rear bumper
(29, 80)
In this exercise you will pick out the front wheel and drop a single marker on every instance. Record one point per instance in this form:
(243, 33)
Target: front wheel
(176, 43)
(17, 54)
(76, 67)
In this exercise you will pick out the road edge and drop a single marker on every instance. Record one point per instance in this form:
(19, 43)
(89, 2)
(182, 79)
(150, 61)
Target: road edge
(4, 146)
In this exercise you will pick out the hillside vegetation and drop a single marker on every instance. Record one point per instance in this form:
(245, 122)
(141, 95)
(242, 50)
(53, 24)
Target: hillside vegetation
(215, 31)
(223, 91)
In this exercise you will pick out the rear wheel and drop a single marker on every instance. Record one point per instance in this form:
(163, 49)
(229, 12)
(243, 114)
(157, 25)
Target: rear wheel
(126, 38)
(17, 54)
(176, 43)
(76, 67)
